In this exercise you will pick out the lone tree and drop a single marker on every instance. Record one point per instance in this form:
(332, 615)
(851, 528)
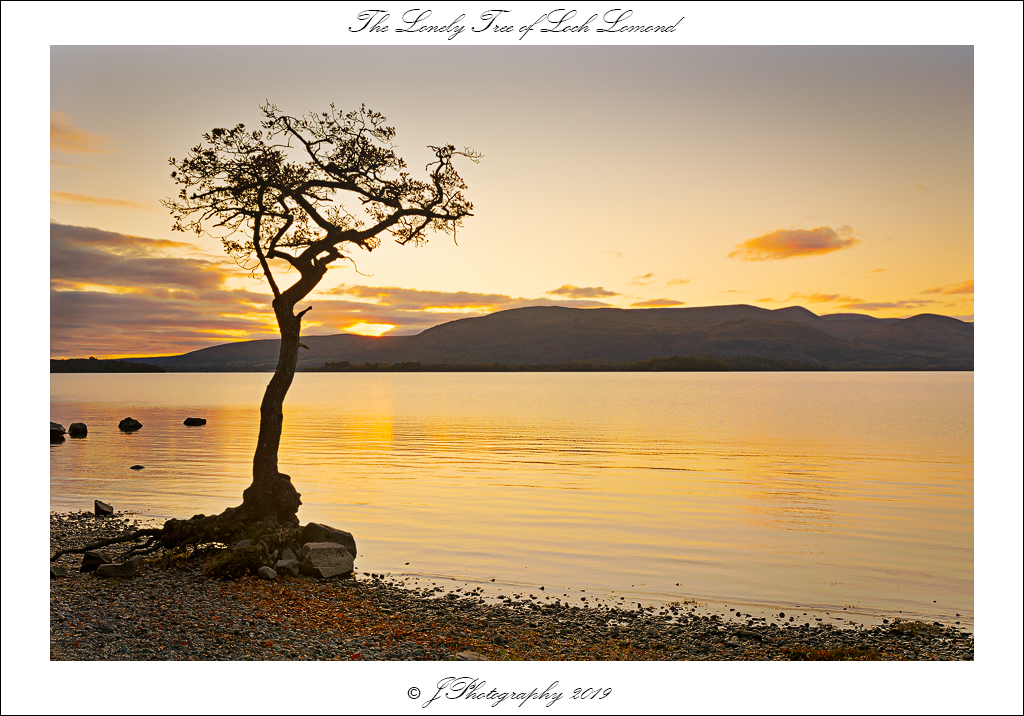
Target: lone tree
(271, 195)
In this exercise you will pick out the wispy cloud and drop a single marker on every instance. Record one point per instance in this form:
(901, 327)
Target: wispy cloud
(819, 297)
(794, 243)
(645, 280)
(58, 164)
(65, 138)
(616, 254)
(570, 291)
(412, 299)
(880, 305)
(677, 282)
(732, 290)
(66, 197)
(954, 288)
(118, 262)
(872, 272)
(415, 299)
(657, 303)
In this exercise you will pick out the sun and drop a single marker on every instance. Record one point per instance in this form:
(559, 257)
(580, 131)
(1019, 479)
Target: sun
(369, 329)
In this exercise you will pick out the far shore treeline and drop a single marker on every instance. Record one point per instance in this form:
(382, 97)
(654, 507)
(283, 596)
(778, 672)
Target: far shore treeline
(694, 363)
(680, 364)
(94, 365)
(701, 363)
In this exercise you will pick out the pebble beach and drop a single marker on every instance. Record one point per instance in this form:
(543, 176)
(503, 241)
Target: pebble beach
(170, 611)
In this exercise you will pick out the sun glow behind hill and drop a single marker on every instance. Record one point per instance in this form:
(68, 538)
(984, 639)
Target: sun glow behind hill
(369, 329)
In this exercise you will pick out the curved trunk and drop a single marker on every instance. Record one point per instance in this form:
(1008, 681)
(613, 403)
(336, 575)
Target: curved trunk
(271, 496)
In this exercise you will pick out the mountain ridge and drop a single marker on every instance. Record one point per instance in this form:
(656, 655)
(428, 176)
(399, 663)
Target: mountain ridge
(538, 335)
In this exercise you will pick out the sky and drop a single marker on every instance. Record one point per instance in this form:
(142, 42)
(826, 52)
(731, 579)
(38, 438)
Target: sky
(836, 178)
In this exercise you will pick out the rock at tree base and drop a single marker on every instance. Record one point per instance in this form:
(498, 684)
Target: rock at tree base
(123, 569)
(325, 560)
(291, 566)
(266, 573)
(92, 560)
(129, 425)
(78, 430)
(192, 422)
(102, 509)
(57, 572)
(314, 532)
(287, 554)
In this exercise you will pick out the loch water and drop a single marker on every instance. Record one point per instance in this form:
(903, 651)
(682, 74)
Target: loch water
(845, 493)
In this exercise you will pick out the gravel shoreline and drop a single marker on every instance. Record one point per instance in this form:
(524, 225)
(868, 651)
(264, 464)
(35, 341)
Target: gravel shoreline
(170, 611)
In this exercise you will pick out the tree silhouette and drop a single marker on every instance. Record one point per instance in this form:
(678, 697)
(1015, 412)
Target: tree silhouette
(271, 195)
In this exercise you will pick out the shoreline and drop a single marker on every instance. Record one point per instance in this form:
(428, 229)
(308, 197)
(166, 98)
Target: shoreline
(169, 610)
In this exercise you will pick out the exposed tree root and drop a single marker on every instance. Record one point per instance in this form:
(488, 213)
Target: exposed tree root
(194, 536)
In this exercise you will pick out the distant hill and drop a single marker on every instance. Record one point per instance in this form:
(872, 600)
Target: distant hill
(546, 335)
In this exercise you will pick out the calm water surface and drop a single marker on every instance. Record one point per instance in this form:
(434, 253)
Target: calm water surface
(821, 491)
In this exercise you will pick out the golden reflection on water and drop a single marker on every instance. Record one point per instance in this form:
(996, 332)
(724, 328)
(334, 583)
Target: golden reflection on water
(828, 489)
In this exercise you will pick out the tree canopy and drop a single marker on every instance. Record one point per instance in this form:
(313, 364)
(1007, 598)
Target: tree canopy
(270, 193)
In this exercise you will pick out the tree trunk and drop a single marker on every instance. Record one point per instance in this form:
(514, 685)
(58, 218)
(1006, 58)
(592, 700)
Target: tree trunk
(271, 496)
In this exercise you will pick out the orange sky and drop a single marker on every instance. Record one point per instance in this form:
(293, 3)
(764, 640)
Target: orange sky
(837, 178)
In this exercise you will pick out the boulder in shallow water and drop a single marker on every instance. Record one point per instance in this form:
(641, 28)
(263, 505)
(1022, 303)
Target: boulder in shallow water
(137, 467)
(129, 425)
(78, 430)
(314, 532)
(57, 432)
(193, 422)
(102, 509)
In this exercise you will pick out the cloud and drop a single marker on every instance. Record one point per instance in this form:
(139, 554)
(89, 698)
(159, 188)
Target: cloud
(872, 272)
(677, 282)
(955, 288)
(879, 305)
(732, 290)
(58, 164)
(415, 299)
(117, 295)
(117, 262)
(66, 197)
(616, 254)
(657, 303)
(570, 291)
(84, 323)
(793, 243)
(65, 138)
(114, 294)
(413, 310)
(818, 297)
(647, 278)
(122, 244)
